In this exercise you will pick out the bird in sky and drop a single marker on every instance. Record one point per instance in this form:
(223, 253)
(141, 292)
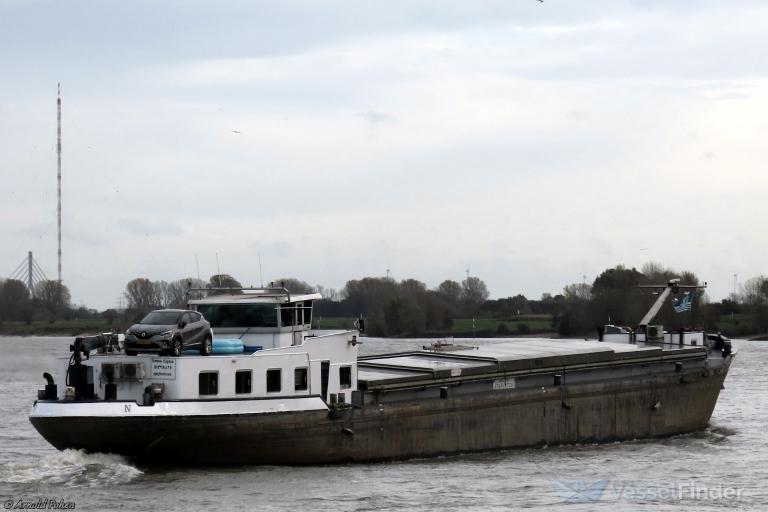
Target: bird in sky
(235, 131)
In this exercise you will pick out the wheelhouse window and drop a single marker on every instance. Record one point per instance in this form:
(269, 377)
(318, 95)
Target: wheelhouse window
(287, 315)
(299, 313)
(300, 379)
(208, 383)
(274, 380)
(239, 315)
(243, 381)
(345, 377)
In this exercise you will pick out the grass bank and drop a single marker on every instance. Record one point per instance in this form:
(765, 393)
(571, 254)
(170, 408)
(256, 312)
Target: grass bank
(465, 327)
(58, 328)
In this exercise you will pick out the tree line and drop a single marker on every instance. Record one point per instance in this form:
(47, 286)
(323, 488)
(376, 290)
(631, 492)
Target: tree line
(407, 307)
(48, 300)
(410, 308)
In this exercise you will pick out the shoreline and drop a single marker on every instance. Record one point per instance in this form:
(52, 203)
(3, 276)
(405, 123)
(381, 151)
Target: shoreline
(425, 336)
(91, 326)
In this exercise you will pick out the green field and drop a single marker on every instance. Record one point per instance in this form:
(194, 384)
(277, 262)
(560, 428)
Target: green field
(334, 322)
(738, 325)
(536, 323)
(734, 320)
(59, 327)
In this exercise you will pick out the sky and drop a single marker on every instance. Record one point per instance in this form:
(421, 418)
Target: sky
(535, 144)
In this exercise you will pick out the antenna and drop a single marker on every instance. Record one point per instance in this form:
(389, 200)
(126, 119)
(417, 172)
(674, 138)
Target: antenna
(261, 278)
(197, 265)
(58, 165)
(218, 268)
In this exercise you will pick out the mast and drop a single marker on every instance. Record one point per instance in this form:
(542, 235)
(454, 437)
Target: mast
(58, 169)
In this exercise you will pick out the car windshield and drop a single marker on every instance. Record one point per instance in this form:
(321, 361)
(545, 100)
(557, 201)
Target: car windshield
(161, 318)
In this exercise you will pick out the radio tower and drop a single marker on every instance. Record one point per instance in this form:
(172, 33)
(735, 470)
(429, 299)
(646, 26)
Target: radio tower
(58, 167)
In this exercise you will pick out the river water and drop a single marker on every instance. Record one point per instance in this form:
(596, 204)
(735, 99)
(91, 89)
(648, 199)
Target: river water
(725, 466)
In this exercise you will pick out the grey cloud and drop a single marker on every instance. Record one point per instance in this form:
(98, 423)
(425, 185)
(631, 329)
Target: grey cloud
(376, 117)
(154, 228)
(576, 115)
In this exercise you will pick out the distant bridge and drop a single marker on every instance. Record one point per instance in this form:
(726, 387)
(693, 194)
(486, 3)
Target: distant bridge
(29, 273)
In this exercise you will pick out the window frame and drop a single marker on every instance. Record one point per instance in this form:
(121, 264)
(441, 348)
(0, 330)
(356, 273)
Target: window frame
(296, 371)
(244, 371)
(279, 381)
(207, 372)
(342, 384)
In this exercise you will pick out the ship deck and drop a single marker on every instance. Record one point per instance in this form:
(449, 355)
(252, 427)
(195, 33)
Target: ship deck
(519, 357)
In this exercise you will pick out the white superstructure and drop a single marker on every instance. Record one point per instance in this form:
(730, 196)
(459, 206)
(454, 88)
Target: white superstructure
(282, 359)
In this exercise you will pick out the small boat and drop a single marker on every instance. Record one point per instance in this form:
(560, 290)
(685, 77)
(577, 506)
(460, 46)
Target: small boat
(304, 397)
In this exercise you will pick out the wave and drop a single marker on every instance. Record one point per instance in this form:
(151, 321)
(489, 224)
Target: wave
(72, 468)
(721, 430)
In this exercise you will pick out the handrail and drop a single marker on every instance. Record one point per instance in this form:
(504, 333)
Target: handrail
(280, 290)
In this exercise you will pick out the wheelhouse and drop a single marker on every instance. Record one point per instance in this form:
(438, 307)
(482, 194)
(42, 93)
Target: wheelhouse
(268, 318)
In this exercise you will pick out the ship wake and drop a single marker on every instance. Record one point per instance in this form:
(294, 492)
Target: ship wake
(72, 468)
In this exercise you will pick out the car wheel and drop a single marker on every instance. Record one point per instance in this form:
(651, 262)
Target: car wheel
(130, 352)
(177, 347)
(207, 347)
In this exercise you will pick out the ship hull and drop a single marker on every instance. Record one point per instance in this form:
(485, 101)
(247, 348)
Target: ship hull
(619, 409)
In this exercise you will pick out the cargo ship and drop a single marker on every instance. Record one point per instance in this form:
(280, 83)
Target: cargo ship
(294, 396)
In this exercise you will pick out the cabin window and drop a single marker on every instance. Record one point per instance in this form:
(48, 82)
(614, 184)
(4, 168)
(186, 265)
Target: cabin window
(307, 311)
(243, 381)
(239, 315)
(345, 377)
(209, 383)
(274, 378)
(300, 379)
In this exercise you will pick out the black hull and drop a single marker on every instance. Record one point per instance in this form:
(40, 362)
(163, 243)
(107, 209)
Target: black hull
(639, 407)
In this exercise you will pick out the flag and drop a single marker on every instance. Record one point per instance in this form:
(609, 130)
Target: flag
(683, 304)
